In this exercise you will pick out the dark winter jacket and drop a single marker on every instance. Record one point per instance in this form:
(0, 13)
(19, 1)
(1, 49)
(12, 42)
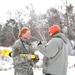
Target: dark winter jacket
(55, 55)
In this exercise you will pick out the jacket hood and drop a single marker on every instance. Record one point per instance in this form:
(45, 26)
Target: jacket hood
(62, 36)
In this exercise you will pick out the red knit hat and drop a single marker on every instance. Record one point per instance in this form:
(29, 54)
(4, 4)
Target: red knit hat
(54, 29)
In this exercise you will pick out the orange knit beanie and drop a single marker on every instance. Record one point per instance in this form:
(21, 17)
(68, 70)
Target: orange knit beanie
(54, 29)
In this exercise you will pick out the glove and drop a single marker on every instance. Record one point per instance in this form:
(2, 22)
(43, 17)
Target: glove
(36, 57)
(40, 43)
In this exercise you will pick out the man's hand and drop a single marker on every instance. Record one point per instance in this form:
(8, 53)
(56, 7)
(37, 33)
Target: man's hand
(29, 56)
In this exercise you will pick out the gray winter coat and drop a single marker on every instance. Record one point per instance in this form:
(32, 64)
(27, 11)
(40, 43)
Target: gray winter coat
(22, 65)
(55, 60)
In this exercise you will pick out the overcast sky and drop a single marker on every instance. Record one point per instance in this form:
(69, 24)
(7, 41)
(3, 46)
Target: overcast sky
(39, 5)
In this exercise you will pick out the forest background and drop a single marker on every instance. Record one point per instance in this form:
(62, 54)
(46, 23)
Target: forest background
(38, 24)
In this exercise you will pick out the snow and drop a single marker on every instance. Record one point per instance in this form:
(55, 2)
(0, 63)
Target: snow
(9, 72)
(6, 67)
(71, 65)
(71, 72)
(36, 72)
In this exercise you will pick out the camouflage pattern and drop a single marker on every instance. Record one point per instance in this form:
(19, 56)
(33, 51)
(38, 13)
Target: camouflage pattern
(22, 65)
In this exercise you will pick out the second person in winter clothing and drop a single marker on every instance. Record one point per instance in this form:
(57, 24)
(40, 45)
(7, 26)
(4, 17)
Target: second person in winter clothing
(55, 53)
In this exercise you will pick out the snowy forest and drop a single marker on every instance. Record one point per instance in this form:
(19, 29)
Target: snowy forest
(38, 24)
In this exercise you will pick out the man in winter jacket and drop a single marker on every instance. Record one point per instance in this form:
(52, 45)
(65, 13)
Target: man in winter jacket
(55, 60)
(23, 64)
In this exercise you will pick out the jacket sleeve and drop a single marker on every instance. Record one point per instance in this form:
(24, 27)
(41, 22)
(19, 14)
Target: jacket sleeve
(51, 49)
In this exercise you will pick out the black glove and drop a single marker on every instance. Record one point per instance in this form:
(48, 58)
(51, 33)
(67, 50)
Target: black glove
(40, 43)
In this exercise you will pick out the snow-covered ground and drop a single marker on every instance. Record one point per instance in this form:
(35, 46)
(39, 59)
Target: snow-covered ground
(71, 71)
(6, 64)
(36, 72)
